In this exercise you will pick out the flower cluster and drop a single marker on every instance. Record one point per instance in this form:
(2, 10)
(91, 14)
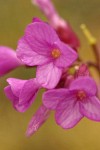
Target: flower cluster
(46, 46)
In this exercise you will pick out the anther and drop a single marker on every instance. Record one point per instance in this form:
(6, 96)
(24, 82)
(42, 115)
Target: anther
(56, 53)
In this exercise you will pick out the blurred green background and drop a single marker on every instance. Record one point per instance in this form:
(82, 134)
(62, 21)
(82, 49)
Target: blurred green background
(14, 16)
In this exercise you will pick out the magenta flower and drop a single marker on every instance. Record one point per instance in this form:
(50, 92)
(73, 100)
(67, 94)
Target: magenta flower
(63, 28)
(22, 93)
(83, 70)
(38, 119)
(98, 87)
(41, 46)
(8, 60)
(72, 104)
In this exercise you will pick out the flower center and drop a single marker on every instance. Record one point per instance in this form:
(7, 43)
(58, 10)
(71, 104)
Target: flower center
(81, 95)
(56, 53)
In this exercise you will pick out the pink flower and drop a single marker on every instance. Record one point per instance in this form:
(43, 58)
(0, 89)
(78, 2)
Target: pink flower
(22, 93)
(98, 87)
(72, 104)
(63, 28)
(38, 119)
(8, 60)
(41, 47)
(83, 70)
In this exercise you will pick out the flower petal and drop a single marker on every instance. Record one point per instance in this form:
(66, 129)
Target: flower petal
(28, 56)
(22, 93)
(14, 99)
(67, 113)
(16, 85)
(66, 33)
(68, 55)
(83, 70)
(84, 83)
(29, 91)
(51, 98)
(10, 94)
(48, 75)
(62, 27)
(8, 60)
(38, 119)
(98, 89)
(40, 37)
(91, 108)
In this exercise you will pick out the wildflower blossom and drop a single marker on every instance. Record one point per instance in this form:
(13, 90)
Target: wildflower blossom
(72, 104)
(8, 60)
(22, 93)
(41, 46)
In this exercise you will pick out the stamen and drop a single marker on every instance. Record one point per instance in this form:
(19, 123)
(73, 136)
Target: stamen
(56, 53)
(89, 36)
(81, 95)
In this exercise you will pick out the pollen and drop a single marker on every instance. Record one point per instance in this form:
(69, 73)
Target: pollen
(56, 53)
(81, 95)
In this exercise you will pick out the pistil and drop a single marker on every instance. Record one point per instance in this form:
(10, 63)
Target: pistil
(81, 95)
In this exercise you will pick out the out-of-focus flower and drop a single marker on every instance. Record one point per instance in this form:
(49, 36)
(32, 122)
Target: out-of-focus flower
(48, 9)
(63, 28)
(38, 119)
(67, 35)
(98, 87)
(42, 47)
(82, 70)
(8, 60)
(65, 80)
(72, 104)
(22, 93)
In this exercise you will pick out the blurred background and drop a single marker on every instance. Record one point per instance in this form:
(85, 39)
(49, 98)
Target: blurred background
(14, 16)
